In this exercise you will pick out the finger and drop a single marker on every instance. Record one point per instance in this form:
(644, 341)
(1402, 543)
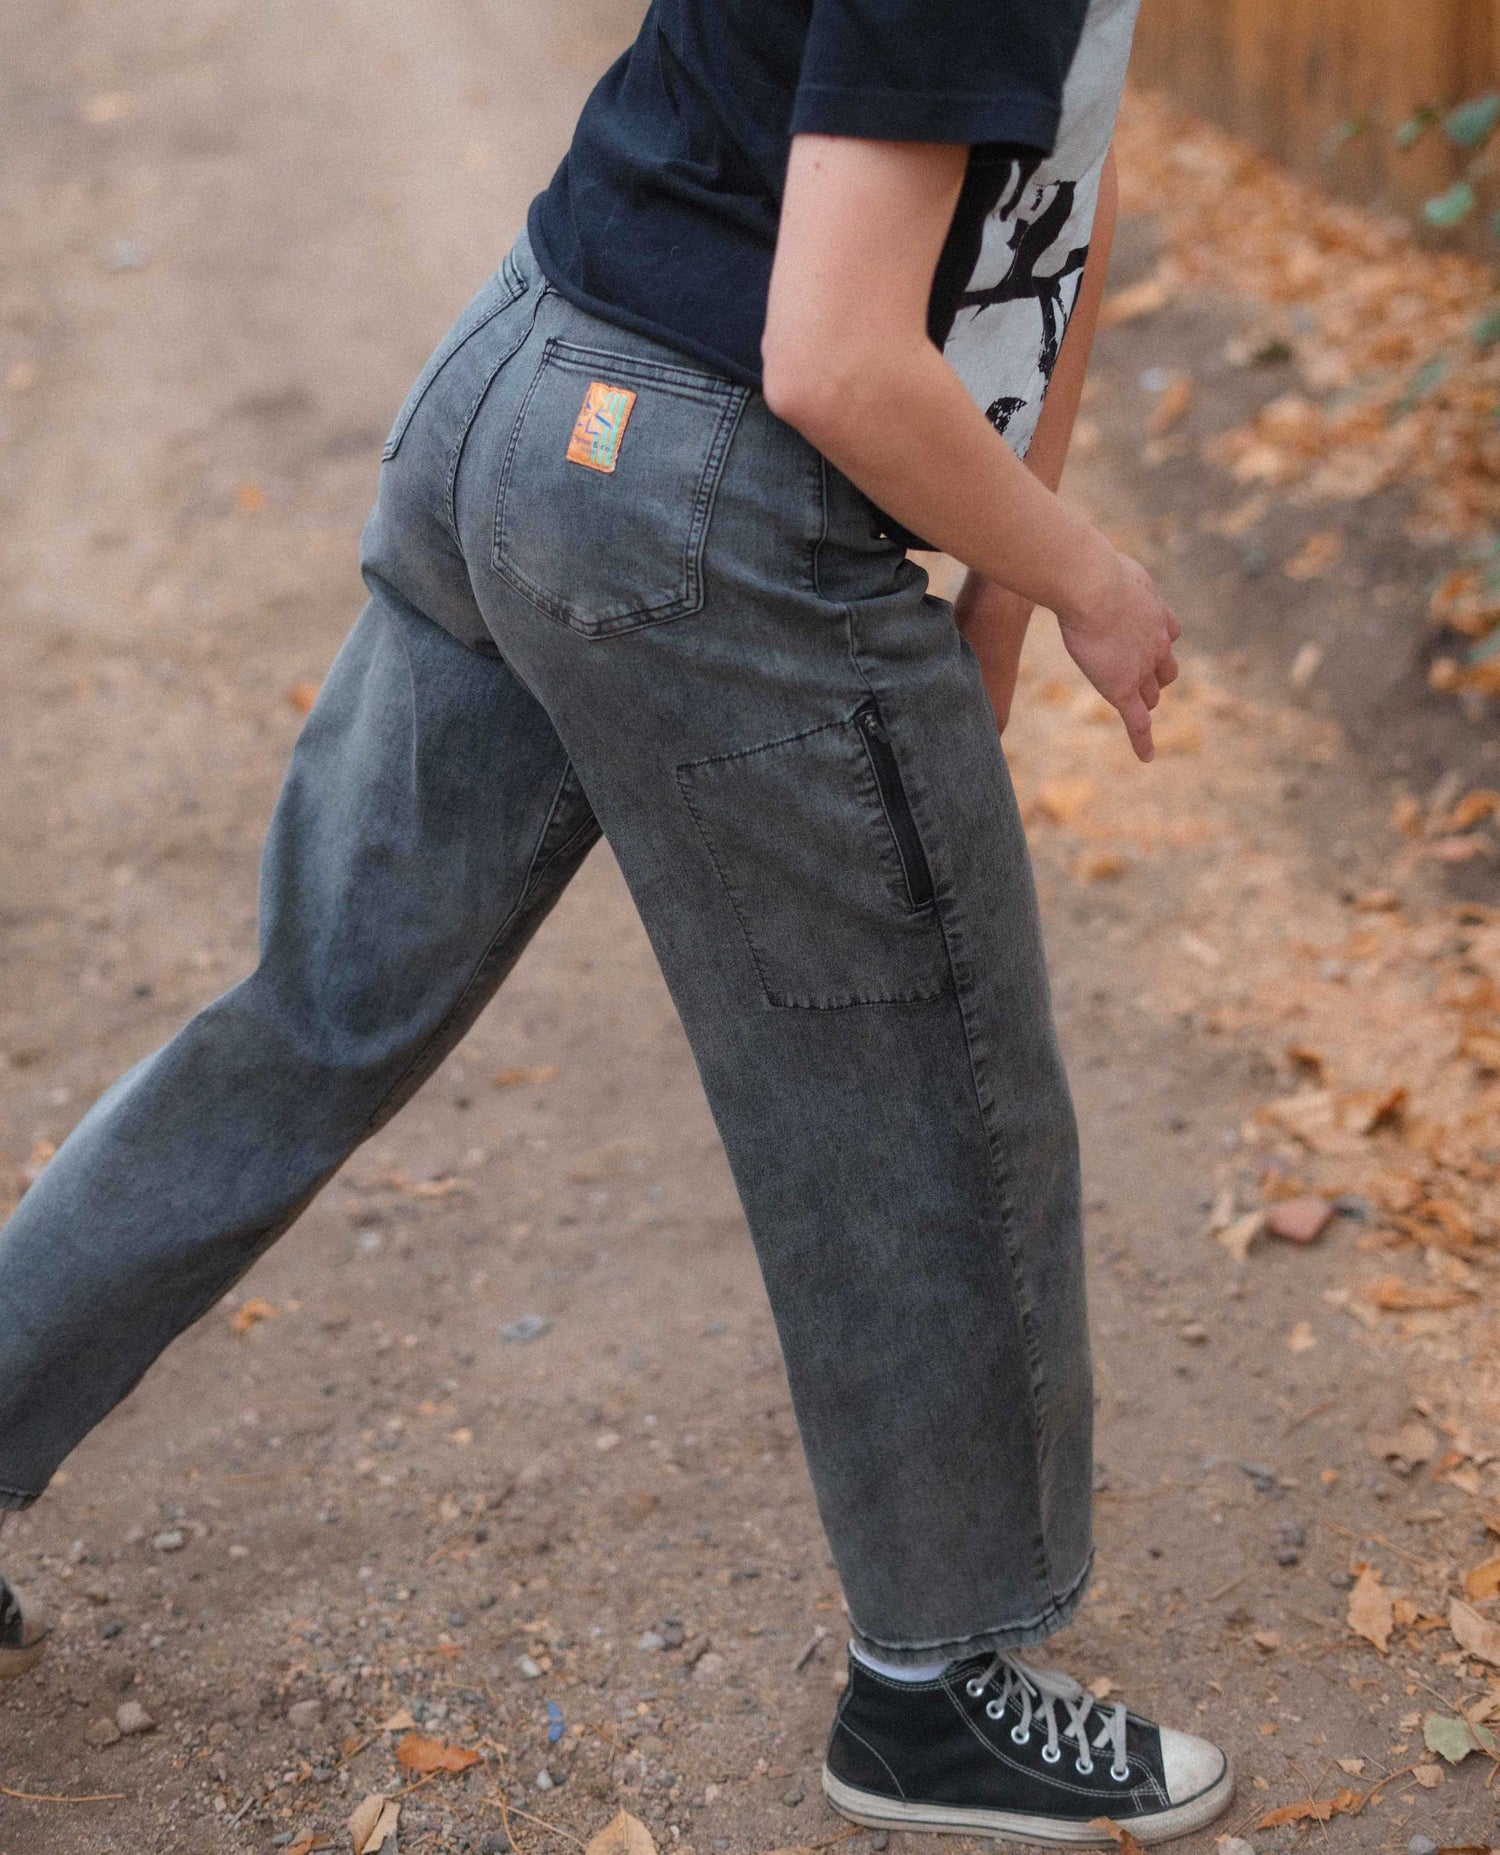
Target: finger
(1166, 668)
(1174, 630)
(1137, 719)
(1150, 692)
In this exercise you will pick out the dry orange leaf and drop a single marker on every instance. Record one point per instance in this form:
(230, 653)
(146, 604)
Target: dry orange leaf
(1101, 866)
(373, 1824)
(1063, 799)
(1320, 553)
(1483, 1582)
(1370, 1612)
(1118, 1834)
(1475, 1633)
(1172, 407)
(249, 499)
(623, 1834)
(538, 1072)
(250, 1314)
(1141, 299)
(1312, 1810)
(418, 1753)
(1473, 808)
(1398, 1297)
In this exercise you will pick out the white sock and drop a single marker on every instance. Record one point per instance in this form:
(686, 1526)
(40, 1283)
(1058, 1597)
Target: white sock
(922, 1671)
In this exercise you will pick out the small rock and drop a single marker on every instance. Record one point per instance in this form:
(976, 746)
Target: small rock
(650, 1639)
(673, 1635)
(1287, 1556)
(793, 1796)
(709, 1666)
(102, 1732)
(1421, 1845)
(879, 1842)
(693, 1650)
(497, 1843)
(1194, 1332)
(1299, 1220)
(525, 1327)
(305, 1715)
(545, 1780)
(131, 1717)
(530, 1668)
(1234, 1845)
(109, 1631)
(172, 1540)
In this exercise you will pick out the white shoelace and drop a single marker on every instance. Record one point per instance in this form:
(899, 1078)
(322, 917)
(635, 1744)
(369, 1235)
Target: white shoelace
(1040, 1692)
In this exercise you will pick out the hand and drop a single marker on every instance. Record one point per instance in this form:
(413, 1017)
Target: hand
(1120, 633)
(993, 620)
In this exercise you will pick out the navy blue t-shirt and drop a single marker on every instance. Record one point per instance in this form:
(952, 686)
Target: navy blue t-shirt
(663, 214)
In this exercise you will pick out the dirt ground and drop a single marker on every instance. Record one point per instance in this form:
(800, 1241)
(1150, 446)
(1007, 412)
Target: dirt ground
(498, 1439)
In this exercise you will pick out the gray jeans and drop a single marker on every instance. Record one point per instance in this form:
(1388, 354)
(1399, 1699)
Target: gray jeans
(668, 618)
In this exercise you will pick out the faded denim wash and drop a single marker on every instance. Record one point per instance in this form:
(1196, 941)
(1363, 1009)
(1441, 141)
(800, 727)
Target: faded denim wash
(711, 654)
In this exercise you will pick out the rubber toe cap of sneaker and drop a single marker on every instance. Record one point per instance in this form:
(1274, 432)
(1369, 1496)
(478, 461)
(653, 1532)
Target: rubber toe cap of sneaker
(1190, 1766)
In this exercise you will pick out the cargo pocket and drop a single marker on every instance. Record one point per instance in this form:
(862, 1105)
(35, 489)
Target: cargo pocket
(814, 839)
(608, 484)
(506, 287)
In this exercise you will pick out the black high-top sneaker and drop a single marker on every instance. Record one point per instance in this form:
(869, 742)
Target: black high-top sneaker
(995, 1747)
(23, 1635)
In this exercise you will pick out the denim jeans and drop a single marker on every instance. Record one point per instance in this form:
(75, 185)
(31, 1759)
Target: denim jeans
(610, 591)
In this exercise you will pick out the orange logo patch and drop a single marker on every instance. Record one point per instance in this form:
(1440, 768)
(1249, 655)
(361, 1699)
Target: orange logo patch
(600, 426)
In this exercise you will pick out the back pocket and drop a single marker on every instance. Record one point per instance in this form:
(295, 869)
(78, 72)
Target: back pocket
(608, 484)
(815, 841)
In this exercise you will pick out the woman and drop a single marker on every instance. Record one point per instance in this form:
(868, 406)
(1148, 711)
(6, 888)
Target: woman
(812, 280)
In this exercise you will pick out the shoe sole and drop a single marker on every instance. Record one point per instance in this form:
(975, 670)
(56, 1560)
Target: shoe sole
(877, 1812)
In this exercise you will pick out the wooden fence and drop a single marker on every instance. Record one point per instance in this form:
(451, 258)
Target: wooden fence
(1289, 73)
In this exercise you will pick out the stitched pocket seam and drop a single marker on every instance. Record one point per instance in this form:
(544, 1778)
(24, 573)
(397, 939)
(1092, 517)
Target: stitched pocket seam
(705, 389)
(454, 343)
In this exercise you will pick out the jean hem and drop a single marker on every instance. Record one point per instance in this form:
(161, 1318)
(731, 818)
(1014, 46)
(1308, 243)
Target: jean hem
(1024, 1634)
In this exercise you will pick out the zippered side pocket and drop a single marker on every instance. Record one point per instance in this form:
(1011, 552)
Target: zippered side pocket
(882, 757)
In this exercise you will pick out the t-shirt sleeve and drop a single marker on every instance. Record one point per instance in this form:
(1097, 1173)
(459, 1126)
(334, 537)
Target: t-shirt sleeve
(937, 70)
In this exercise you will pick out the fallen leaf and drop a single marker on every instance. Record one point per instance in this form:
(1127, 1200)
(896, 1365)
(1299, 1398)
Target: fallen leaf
(1454, 1738)
(1398, 1297)
(1302, 1339)
(623, 1834)
(1268, 1640)
(249, 499)
(1428, 1776)
(373, 1824)
(1172, 406)
(306, 1846)
(1101, 866)
(1312, 1810)
(401, 1721)
(1140, 299)
(1239, 1235)
(418, 1753)
(1118, 1834)
(1320, 553)
(1475, 1633)
(1177, 734)
(1351, 1767)
(1473, 808)
(1370, 1613)
(1062, 800)
(538, 1072)
(250, 1314)
(302, 694)
(1483, 1581)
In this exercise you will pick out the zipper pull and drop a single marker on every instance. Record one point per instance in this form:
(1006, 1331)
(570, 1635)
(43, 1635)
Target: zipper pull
(869, 719)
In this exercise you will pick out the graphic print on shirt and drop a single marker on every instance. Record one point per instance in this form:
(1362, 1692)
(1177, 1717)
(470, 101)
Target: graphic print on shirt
(1014, 312)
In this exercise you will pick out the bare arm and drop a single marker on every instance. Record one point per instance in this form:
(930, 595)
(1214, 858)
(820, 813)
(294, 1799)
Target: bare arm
(848, 362)
(991, 617)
